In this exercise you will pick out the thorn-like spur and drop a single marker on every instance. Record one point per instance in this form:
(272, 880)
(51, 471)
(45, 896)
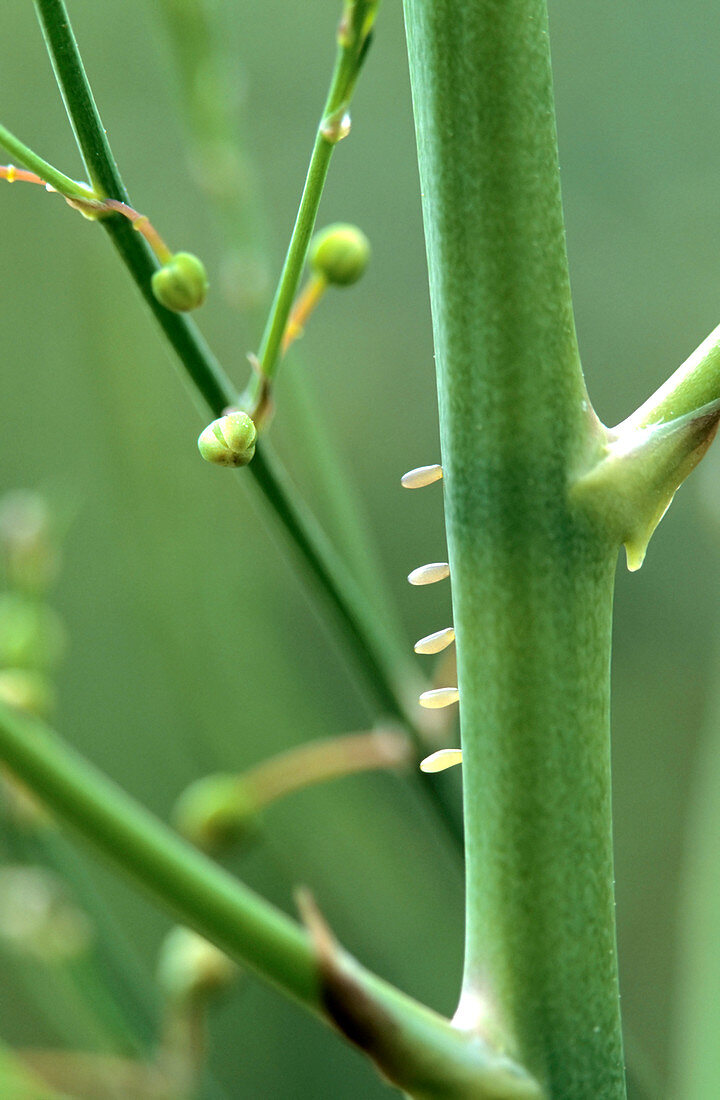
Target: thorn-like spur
(421, 476)
(439, 697)
(440, 760)
(435, 643)
(429, 574)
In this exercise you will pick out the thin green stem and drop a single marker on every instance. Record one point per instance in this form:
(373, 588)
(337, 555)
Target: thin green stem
(352, 44)
(532, 583)
(79, 102)
(55, 178)
(695, 383)
(211, 383)
(388, 680)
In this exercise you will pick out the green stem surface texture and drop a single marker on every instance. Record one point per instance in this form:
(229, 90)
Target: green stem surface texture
(532, 584)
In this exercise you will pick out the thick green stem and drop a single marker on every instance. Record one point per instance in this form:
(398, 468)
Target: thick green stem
(532, 586)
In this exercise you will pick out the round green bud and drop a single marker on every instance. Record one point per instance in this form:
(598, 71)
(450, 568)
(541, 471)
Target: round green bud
(214, 811)
(229, 441)
(340, 254)
(182, 283)
(189, 966)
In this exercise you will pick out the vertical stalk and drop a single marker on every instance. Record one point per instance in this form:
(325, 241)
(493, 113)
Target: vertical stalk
(532, 584)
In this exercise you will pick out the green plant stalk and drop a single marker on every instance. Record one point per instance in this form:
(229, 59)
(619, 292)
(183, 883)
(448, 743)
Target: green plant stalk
(419, 1049)
(42, 168)
(695, 383)
(80, 105)
(350, 55)
(532, 585)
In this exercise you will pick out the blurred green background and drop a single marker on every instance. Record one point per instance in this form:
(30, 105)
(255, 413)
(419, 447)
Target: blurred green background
(194, 643)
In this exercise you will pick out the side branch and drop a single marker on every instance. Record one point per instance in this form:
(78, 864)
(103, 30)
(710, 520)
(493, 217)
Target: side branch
(695, 383)
(644, 460)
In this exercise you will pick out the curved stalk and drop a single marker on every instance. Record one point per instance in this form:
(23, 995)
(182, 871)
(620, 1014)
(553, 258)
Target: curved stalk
(532, 583)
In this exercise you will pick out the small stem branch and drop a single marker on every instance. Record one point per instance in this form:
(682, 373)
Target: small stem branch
(695, 383)
(208, 377)
(81, 199)
(142, 225)
(44, 172)
(323, 760)
(353, 38)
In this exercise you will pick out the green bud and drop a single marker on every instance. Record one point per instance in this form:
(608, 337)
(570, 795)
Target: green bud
(214, 811)
(182, 283)
(189, 966)
(229, 441)
(340, 254)
(31, 635)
